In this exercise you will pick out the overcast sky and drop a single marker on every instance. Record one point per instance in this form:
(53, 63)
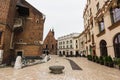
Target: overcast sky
(65, 16)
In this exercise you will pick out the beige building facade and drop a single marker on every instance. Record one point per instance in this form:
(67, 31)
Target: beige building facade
(81, 39)
(102, 27)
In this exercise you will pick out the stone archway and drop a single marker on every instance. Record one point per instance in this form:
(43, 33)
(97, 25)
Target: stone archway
(103, 48)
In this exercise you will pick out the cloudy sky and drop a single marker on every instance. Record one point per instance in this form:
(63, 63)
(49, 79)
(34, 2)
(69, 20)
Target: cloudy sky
(65, 16)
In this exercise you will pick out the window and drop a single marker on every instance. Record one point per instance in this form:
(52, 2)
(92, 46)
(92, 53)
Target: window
(70, 46)
(67, 42)
(52, 46)
(76, 46)
(89, 36)
(46, 46)
(59, 47)
(89, 1)
(71, 53)
(103, 48)
(101, 25)
(67, 46)
(37, 21)
(20, 40)
(115, 14)
(91, 24)
(116, 43)
(61, 43)
(98, 6)
(76, 41)
(93, 41)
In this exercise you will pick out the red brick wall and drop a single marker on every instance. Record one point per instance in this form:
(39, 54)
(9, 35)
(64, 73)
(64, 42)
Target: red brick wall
(32, 32)
(50, 40)
(7, 8)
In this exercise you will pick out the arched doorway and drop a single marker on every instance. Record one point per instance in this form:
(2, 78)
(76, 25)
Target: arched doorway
(60, 52)
(77, 53)
(103, 48)
(116, 43)
(71, 53)
(63, 52)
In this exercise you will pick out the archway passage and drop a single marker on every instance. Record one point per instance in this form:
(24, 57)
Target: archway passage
(103, 48)
(71, 54)
(116, 43)
(63, 52)
(77, 53)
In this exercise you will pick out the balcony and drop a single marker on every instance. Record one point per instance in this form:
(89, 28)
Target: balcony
(18, 25)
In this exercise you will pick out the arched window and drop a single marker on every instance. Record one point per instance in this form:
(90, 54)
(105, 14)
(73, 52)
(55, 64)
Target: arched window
(103, 48)
(116, 43)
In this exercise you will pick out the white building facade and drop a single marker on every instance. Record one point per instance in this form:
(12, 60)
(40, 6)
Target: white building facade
(68, 44)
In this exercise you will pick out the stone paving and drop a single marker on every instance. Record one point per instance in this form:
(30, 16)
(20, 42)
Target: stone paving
(90, 71)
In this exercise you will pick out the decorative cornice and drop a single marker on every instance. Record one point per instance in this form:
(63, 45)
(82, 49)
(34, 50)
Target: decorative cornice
(101, 33)
(104, 9)
(114, 25)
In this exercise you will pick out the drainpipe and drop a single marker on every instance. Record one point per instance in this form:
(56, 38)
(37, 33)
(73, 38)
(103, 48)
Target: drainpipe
(11, 41)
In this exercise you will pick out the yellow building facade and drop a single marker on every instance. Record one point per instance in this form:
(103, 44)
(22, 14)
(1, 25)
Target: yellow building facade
(102, 27)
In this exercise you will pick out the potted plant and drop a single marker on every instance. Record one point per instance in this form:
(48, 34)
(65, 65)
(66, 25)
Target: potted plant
(101, 60)
(118, 62)
(93, 58)
(97, 59)
(119, 66)
(106, 61)
(110, 61)
(89, 57)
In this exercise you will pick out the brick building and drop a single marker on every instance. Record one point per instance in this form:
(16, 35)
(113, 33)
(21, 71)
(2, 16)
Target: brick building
(50, 43)
(21, 30)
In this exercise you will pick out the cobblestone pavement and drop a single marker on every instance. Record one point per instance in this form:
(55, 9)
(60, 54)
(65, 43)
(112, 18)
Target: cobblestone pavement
(90, 71)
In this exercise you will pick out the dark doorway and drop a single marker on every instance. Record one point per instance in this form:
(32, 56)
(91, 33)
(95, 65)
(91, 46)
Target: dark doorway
(116, 43)
(63, 52)
(19, 53)
(103, 48)
(71, 54)
(77, 53)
